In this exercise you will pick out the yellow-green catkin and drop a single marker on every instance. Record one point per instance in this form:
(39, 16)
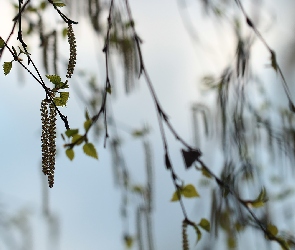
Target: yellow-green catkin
(73, 51)
(185, 245)
(48, 137)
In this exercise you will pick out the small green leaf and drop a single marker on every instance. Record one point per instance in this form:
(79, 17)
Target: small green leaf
(2, 43)
(43, 5)
(62, 99)
(284, 244)
(87, 125)
(59, 4)
(239, 227)
(128, 241)
(7, 66)
(55, 79)
(65, 32)
(198, 232)
(260, 200)
(272, 229)
(58, 101)
(138, 189)
(206, 173)
(231, 243)
(62, 85)
(205, 224)
(140, 132)
(257, 204)
(189, 191)
(77, 139)
(175, 197)
(70, 153)
(71, 132)
(87, 117)
(31, 9)
(262, 194)
(90, 150)
(137, 133)
(109, 90)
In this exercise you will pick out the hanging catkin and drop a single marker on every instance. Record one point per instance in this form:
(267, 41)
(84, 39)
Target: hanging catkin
(185, 245)
(48, 136)
(73, 51)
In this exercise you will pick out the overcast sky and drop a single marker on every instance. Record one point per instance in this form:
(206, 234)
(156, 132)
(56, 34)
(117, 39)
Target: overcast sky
(84, 197)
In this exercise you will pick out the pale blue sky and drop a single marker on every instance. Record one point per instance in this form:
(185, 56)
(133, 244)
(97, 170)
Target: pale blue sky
(83, 196)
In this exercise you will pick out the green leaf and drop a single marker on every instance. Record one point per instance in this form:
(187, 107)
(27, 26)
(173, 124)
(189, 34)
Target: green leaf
(55, 79)
(87, 125)
(138, 189)
(140, 132)
(70, 153)
(257, 204)
(284, 244)
(205, 224)
(2, 43)
(272, 229)
(137, 133)
(231, 243)
(128, 241)
(31, 9)
(64, 32)
(7, 66)
(64, 96)
(239, 227)
(71, 132)
(260, 200)
(87, 117)
(58, 101)
(59, 4)
(90, 150)
(206, 173)
(43, 5)
(62, 85)
(77, 139)
(62, 99)
(198, 232)
(189, 191)
(176, 195)
(109, 90)
(262, 194)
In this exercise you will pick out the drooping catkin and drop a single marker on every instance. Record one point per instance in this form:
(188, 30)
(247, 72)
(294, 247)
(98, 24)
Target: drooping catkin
(44, 135)
(73, 51)
(55, 54)
(185, 245)
(48, 136)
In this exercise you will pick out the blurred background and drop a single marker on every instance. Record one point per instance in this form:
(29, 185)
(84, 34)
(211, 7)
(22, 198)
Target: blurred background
(191, 49)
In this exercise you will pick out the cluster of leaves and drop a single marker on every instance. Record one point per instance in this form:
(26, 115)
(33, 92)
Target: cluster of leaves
(77, 139)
